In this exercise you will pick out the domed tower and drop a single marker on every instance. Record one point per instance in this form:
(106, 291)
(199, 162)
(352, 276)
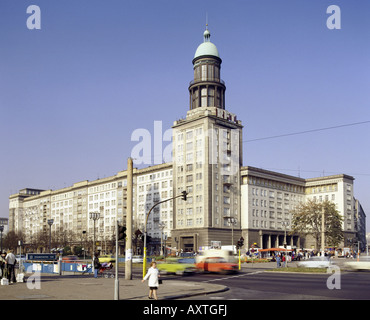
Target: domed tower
(207, 89)
(206, 157)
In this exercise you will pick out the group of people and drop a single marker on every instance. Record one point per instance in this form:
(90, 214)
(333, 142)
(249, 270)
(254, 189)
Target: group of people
(7, 266)
(281, 260)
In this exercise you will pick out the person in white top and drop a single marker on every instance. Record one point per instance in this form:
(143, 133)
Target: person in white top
(10, 263)
(152, 275)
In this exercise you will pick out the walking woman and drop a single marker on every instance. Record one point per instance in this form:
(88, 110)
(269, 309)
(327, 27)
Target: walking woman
(152, 275)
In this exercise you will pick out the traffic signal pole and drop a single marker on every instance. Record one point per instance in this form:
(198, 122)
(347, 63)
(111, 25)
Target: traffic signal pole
(183, 195)
(116, 281)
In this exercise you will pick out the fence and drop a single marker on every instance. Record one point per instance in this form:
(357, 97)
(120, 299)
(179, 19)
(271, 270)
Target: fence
(79, 267)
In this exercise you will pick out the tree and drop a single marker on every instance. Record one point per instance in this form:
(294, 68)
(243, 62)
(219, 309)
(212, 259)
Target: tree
(307, 219)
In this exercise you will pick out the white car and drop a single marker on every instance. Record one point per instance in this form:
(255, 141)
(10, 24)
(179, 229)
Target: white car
(363, 264)
(315, 262)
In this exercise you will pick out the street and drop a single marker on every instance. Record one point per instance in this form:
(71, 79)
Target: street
(263, 285)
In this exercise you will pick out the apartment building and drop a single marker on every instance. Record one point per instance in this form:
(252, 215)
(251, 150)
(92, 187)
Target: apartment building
(225, 200)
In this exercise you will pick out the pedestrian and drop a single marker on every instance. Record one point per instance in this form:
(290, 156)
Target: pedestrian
(152, 275)
(96, 264)
(10, 263)
(2, 264)
(278, 260)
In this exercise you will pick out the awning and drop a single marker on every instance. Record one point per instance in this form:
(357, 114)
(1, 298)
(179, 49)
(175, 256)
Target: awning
(274, 249)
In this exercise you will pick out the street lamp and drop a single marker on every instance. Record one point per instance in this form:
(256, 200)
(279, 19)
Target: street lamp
(232, 221)
(1, 236)
(50, 223)
(94, 216)
(285, 224)
(161, 225)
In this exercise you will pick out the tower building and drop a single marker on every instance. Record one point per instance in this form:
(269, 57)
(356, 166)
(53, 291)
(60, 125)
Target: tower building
(225, 200)
(207, 155)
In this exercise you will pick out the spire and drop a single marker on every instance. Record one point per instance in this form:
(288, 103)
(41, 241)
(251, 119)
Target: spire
(207, 34)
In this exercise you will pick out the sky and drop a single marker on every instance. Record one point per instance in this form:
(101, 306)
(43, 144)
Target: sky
(73, 92)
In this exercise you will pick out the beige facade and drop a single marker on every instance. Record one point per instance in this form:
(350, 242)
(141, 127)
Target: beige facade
(224, 202)
(269, 197)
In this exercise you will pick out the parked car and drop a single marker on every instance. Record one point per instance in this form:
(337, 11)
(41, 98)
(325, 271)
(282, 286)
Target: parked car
(363, 264)
(70, 259)
(216, 264)
(177, 266)
(107, 258)
(315, 262)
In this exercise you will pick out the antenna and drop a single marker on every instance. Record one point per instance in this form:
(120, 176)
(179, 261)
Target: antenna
(206, 20)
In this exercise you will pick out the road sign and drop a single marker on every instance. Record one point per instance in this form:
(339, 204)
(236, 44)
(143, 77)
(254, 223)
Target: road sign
(41, 256)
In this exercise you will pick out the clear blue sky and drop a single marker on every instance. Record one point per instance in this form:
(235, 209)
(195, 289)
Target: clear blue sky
(72, 93)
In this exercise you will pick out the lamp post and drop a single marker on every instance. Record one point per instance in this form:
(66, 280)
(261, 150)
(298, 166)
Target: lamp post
(94, 216)
(232, 221)
(50, 223)
(161, 225)
(285, 224)
(1, 236)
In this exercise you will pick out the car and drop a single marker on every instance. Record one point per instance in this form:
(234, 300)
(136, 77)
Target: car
(137, 259)
(70, 259)
(315, 262)
(107, 258)
(177, 266)
(216, 264)
(362, 264)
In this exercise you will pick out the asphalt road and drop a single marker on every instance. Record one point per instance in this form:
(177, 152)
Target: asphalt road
(260, 285)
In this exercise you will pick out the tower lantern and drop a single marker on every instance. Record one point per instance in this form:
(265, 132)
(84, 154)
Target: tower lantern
(207, 89)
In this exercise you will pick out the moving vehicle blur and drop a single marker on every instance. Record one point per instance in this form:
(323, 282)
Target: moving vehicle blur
(137, 259)
(228, 255)
(216, 264)
(362, 264)
(70, 259)
(107, 258)
(177, 266)
(315, 262)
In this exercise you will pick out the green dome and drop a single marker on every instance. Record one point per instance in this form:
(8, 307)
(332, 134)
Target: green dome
(207, 48)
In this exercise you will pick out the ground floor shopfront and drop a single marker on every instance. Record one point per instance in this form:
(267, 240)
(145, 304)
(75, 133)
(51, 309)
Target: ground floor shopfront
(196, 239)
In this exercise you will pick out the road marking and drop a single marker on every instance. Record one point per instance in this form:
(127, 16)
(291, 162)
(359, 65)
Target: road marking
(237, 276)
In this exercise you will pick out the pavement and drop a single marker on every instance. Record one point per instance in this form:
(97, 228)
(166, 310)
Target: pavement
(86, 287)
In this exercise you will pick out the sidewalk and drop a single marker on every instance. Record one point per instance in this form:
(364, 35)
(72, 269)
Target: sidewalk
(86, 287)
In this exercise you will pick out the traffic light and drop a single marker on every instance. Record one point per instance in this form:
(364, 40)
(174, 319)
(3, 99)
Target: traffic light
(121, 233)
(241, 241)
(184, 194)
